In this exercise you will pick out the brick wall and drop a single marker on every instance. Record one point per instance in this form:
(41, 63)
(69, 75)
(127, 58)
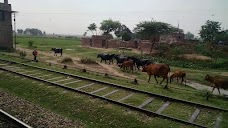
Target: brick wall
(145, 45)
(113, 43)
(100, 41)
(86, 42)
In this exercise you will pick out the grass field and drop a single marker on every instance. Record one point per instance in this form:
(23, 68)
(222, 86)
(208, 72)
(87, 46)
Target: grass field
(99, 113)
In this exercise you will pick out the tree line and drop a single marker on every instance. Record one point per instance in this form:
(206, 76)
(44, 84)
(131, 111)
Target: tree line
(150, 30)
(31, 31)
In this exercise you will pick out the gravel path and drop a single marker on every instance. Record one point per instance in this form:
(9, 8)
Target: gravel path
(34, 115)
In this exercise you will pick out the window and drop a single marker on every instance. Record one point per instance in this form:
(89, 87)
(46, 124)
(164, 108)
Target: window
(2, 16)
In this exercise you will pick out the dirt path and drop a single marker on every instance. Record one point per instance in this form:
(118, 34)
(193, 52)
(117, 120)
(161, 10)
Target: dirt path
(114, 72)
(101, 67)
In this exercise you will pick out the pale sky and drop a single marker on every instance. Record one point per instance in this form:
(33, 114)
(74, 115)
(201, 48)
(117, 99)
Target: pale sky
(74, 16)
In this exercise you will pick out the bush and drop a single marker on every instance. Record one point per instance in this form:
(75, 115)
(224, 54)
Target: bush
(177, 51)
(22, 54)
(67, 60)
(87, 61)
(30, 43)
(203, 49)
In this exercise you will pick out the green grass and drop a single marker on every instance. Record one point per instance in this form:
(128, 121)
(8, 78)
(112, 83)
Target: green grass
(184, 111)
(155, 104)
(207, 117)
(93, 113)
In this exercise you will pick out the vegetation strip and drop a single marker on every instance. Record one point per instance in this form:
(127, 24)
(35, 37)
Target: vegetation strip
(119, 86)
(14, 120)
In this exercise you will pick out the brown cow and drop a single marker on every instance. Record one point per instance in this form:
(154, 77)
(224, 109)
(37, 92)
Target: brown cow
(178, 74)
(126, 64)
(157, 70)
(218, 82)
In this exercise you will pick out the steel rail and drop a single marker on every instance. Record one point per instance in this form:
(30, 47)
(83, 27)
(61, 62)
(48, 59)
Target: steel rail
(13, 120)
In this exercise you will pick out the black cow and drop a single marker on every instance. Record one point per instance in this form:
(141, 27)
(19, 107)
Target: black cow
(105, 56)
(140, 62)
(120, 59)
(57, 50)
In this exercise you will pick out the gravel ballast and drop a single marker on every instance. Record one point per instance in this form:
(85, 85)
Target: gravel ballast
(32, 114)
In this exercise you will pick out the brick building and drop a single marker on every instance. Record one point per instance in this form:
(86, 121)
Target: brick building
(96, 41)
(6, 32)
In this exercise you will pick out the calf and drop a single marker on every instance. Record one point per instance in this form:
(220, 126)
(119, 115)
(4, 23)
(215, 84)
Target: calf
(178, 74)
(218, 82)
(126, 64)
(158, 70)
(57, 50)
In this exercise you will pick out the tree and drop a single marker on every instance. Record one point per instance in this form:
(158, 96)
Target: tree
(92, 27)
(33, 31)
(124, 32)
(85, 33)
(189, 36)
(108, 26)
(151, 30)
(20, 31)
(222, 36)
(210, 31)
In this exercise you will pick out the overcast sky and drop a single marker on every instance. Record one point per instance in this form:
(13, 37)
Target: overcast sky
(74, 16)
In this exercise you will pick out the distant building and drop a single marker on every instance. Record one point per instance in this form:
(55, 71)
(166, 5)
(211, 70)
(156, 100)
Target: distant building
(96, 41)
(6, 32)
(175, 37)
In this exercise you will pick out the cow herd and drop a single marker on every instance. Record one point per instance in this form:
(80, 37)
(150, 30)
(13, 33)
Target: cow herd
(131, 62)
(157, 70)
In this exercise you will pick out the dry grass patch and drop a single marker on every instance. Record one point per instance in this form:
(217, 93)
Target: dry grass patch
(87, 61)
(196, 57)
(67, 60)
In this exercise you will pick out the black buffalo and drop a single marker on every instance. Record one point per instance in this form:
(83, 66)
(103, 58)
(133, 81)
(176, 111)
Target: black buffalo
(57, 50)
(120, 59)
(105, 57)
(140, 62)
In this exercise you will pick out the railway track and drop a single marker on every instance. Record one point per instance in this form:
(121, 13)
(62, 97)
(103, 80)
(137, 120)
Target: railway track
(110, 92)
(11, 121)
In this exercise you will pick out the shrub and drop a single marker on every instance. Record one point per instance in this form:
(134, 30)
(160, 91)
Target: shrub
(66, 60)
(177, 51)
(87, 61)
(30, 43)
(202, 49)
(22, 54)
